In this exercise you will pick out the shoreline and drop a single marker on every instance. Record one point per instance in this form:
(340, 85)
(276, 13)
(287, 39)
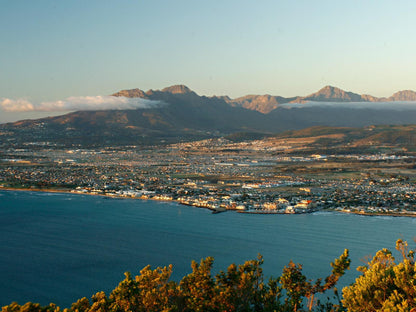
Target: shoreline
(214, 211)
(71, 191)
(378, 214)
(62, 191)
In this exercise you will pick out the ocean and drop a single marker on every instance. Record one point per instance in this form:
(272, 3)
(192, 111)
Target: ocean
(58, 247)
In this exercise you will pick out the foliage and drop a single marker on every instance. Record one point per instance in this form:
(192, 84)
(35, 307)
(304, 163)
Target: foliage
(385, 285)
(298, 287)
(239, 288)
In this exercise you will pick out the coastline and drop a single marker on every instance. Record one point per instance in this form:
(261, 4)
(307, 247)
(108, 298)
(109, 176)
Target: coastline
(62, 191)
(72, 191)
(213, 210)
(378, 214)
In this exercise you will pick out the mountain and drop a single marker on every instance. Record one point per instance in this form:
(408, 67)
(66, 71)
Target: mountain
(133, 93)
(331, 94)
(267, 103)
(261, 103)
(177, 89)
(406, 95)
(185, 116)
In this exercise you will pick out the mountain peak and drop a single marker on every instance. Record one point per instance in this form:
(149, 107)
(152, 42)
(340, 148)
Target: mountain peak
(331, 88)
(132, 93)
(333, 93)
(177, 89)
(404, 95)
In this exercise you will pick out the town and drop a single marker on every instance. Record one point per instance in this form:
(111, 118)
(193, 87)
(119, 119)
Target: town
(221, 175)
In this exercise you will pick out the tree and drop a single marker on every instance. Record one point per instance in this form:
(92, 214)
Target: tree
(297, 286)
(82, 305)
(197, 289)
(240, 288)
(30, 307)
(384, 285)
(149, 291)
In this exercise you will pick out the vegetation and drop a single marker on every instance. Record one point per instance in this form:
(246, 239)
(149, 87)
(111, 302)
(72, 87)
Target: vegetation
(383, 286)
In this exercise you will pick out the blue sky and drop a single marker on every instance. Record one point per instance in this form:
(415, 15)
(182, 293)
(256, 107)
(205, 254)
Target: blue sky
(52, 50)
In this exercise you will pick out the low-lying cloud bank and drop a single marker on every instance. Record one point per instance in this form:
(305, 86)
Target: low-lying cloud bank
(399, 106)
(74, 103)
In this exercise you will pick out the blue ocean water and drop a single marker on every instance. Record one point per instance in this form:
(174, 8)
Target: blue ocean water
(61, 247)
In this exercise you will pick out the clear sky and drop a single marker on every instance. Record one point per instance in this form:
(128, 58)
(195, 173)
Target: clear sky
(51, 50)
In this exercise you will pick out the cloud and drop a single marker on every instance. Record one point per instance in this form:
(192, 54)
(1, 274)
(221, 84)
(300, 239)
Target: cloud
(399, 106)
(20, 105)
(73, 103)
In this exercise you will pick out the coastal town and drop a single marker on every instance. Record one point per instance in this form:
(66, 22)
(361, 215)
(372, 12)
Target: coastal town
(221, 175)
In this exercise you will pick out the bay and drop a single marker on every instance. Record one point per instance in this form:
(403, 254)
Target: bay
(61, 247)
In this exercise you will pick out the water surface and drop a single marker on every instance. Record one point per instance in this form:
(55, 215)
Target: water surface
(61, 247)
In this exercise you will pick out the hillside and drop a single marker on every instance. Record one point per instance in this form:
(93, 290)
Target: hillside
(184, 115)
(370, 139)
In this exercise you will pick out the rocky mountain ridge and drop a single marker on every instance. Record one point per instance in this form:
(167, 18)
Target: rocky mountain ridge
(333, 94)
(266, 103)
(189, 116)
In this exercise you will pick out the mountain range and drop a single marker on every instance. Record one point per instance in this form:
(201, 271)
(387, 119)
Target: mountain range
(189, 116)
(266, 103)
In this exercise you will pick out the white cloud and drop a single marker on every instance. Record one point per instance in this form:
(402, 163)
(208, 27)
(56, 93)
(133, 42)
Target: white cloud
(399, 105)
(19, 105)
(74, 103)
